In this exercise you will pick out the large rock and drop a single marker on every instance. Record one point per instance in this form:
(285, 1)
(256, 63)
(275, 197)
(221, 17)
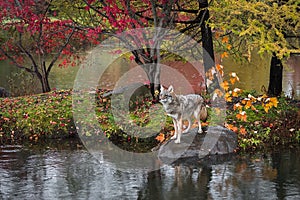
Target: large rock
(216, 140)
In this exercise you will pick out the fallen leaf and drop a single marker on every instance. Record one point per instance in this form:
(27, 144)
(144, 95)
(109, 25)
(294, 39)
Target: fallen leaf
(160, 137)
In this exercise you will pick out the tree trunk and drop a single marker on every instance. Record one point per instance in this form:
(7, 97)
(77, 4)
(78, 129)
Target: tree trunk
(207, 45)
(275, 82)
(44, 82)
(153, 73)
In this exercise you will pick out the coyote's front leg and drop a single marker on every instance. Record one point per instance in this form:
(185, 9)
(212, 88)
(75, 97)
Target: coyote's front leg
(179, 130)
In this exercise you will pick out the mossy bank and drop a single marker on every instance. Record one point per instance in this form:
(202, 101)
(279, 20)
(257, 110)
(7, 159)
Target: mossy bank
(49, 116)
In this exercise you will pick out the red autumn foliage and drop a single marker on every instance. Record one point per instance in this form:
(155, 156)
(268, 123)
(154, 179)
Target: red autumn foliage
(31, 36)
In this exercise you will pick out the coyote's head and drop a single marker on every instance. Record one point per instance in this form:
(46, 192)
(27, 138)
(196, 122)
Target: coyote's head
(166, 95)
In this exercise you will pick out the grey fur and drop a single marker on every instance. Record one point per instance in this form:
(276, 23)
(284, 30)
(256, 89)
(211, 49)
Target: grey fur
(181, 107)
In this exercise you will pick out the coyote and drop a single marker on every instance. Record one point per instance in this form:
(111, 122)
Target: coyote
(182, 107)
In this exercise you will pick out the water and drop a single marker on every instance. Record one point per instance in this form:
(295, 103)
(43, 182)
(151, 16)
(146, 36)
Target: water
(68, 172)
(254, 75)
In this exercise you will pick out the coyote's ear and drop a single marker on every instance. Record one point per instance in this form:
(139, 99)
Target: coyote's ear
(171, 89)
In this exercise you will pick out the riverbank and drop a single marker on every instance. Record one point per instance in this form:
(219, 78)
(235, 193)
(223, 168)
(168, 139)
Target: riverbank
(44, 117)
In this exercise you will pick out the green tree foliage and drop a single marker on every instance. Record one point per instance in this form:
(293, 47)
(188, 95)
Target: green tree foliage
(267, 25)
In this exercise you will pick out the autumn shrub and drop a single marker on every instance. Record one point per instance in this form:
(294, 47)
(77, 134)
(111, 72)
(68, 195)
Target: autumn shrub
(258, 119)
(37, 117)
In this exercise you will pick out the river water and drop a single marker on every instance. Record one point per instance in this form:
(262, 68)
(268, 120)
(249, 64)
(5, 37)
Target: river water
(69, 172)
(253, 75)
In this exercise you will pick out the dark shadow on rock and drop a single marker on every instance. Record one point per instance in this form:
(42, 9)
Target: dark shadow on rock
(216, 140)
(4, 92)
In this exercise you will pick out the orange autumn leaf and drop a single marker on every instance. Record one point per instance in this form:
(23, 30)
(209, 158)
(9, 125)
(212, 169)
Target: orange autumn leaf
(225, 39)
(224, 54)
(228, 97)
(242, 116)
(232, 80)
(247, 103)
(220, 69)
(209, 75)
(228, 46)
(253, 108)
(225, 85)
(237, 106)
(243, 131)
(231, 127)
(204, 123)
(160, 137)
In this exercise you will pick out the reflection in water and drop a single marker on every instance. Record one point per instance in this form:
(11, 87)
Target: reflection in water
(62, 175)
(75, 174)
(185, 77)
(253, 75)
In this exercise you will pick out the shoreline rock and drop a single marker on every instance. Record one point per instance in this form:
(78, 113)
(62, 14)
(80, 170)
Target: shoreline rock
(217, 140)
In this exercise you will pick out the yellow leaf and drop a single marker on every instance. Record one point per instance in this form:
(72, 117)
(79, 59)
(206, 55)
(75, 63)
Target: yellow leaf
(225, 85)
(274, 101)
(248, 104)
(267, 107)
(228, 97)
(228, 46)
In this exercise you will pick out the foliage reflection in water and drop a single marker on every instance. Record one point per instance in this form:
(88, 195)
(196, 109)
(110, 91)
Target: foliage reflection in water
(71, 173)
